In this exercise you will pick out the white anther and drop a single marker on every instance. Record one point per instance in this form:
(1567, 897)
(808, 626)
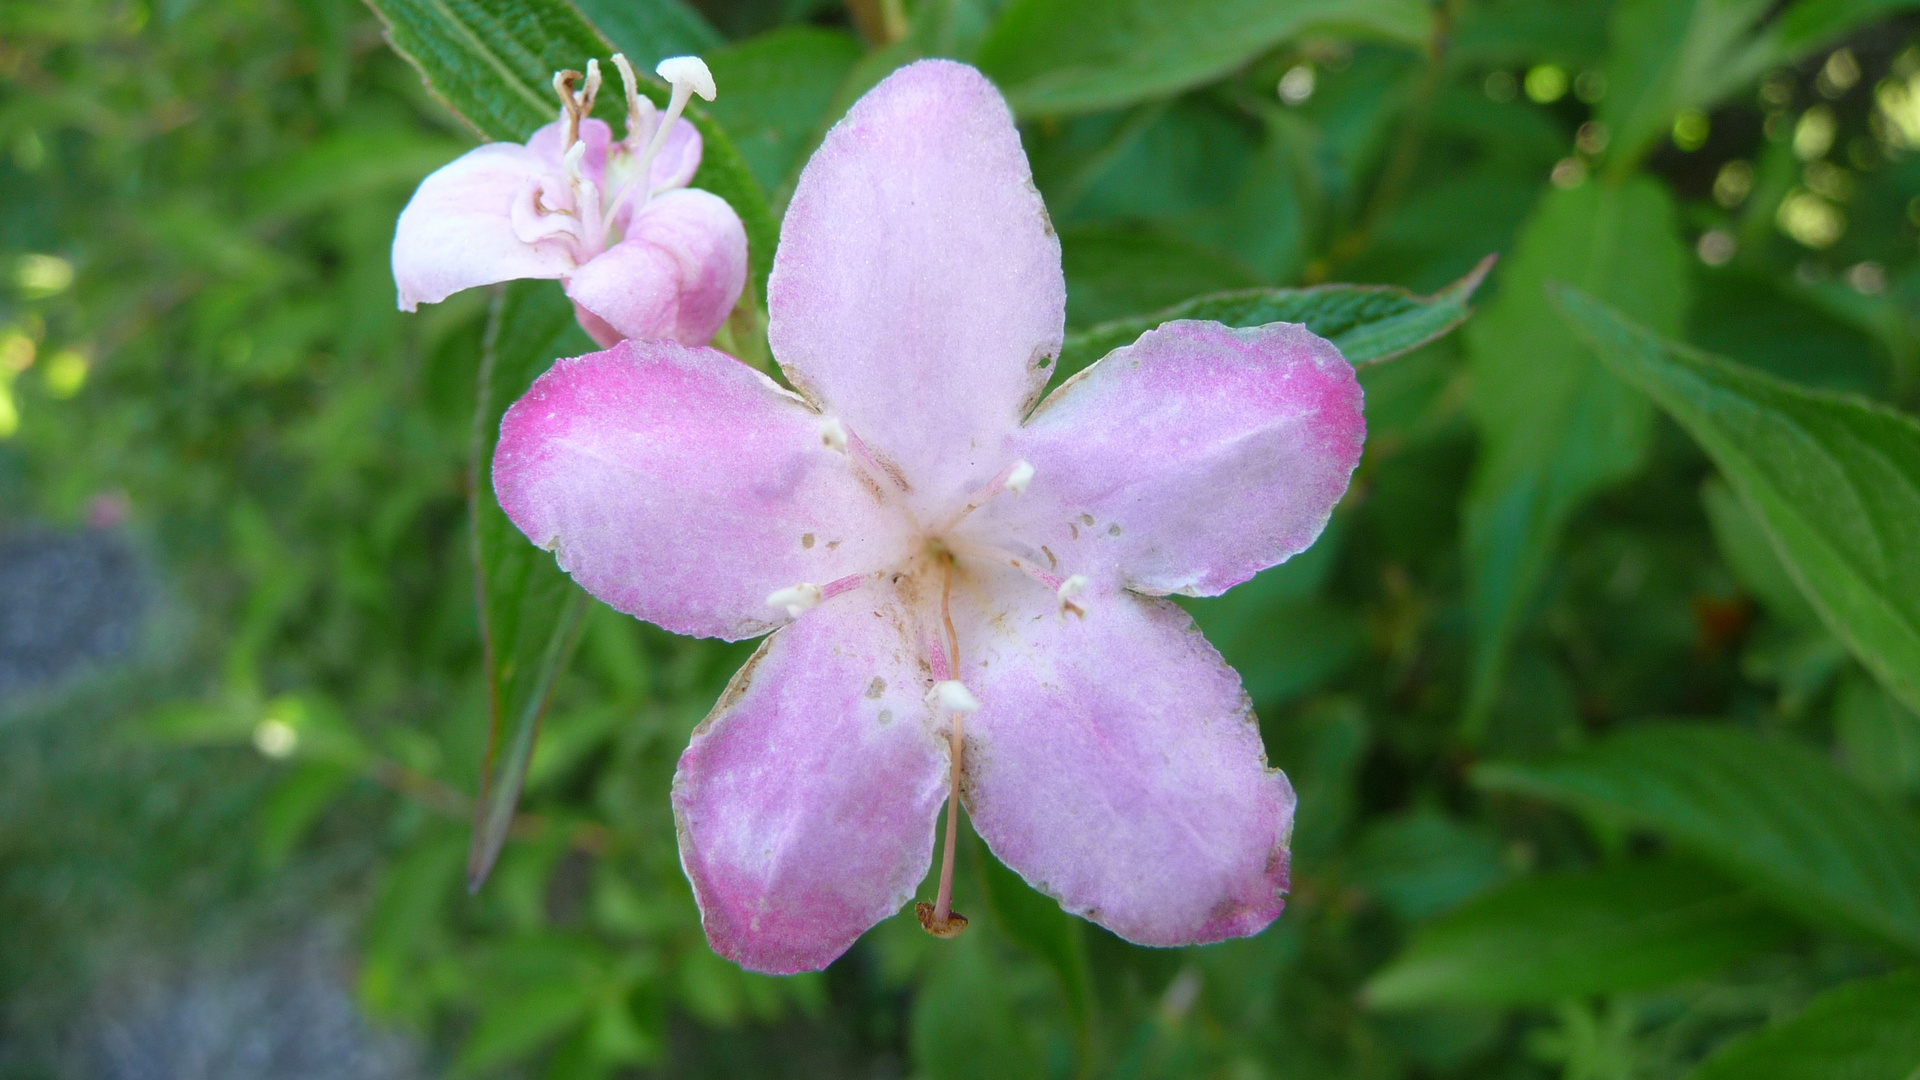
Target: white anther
(953, 696)
(833, 434)
(1069, 589)
(796, 598)
(1020, 477)
(592, 88)
(688, 71)
(572, 159)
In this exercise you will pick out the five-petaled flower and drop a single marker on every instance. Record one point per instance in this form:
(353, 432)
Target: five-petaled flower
(642, 255)
(965, 590)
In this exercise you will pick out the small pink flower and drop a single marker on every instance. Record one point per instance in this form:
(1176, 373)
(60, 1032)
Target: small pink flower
(642, 255)
(952, 575)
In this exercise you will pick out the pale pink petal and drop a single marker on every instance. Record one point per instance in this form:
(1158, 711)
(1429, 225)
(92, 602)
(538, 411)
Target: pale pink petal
(683, 487)
(458, 230)
(678, 160)
(595, 133)
(1190, 460)
(679, 157)
(675, 276)
(917, 291)
(806, 801)
(1115, 764)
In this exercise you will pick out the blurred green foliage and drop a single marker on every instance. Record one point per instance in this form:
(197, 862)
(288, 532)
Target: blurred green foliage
(1511, 859)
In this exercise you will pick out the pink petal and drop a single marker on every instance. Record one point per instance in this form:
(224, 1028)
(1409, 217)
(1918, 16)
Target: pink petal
(1190, 460)
(675, 276)
(806, 801)
(595, 133)
(457, 231)
(1115, 765)
(683, 487)
(917, 292)
(673, 167)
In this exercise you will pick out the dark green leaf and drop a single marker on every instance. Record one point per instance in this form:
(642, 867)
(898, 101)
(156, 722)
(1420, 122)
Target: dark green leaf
(1115, 272)
(492, 63)
(1834, 480)
(1369, 323)
(1423, 863)
(778, 89)
(1774, 815)
(1878, 738)
(1555, 426)
(1749, 554)
(530, 611)
(964, 1023)
(1065, 56)
(1669, 55)
(649, 31)
(1037, 923)
(1866, 1030)
(1541, 940)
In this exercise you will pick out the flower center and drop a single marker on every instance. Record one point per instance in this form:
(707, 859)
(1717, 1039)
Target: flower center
(934, 557)
(589, 213)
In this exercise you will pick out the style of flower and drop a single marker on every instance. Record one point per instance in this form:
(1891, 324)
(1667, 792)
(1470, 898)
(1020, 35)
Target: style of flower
(965, 591)
(641, 254)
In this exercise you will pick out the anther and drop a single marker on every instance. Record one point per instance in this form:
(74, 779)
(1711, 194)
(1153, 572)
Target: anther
(1019, 477)
(563, 82)
(833, 434)
(797, 598)
(953, 696)
(1069, 589)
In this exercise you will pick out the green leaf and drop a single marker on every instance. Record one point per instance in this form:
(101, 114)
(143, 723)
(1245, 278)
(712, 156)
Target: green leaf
(1037, 923)
(1369, 323)
(649, 31)
(1865, 1030)
(297, 802)
(965, 1026)
(1878, 738)
(1774, 815)
(1118, 271)
(1749, 554)
(1833, 479)
(779, 87)
(1067, 56)
(1420, 864)
(1555, 427)
(1636, 926)
(530, 612)
(492, 63)
(1669, 55)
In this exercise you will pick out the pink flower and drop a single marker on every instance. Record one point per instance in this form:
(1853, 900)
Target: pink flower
(950, 573)
(642, 255)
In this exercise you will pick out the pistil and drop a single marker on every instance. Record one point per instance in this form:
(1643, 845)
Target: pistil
(939, 918)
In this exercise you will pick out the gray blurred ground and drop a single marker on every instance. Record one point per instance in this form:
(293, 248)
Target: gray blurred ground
(78, 602)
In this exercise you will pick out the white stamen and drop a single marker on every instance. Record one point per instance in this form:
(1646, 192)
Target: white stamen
(796, 598)
(953, 696)
(1069, 589)
(688, 71)
(833, 434)
(689, 76)
(639, 110)
(1020, 477)
(592, 89)
(572, 159)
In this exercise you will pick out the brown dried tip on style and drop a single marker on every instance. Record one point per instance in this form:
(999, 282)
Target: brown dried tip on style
(950, 929)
